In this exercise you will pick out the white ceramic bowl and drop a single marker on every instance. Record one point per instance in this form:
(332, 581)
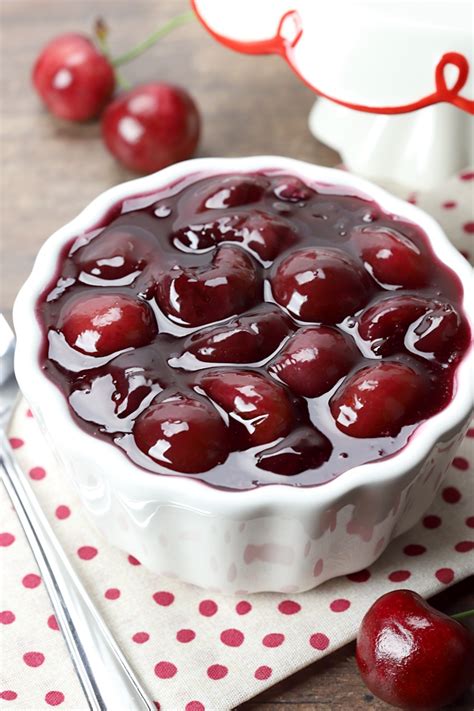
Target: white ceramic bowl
(272, 538)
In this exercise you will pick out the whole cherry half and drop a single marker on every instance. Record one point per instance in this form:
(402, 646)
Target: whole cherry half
(102, 324)
(183, 433)
(73, 78)
(413, 656)
(151, 126)
(259, 407)
(200, 295)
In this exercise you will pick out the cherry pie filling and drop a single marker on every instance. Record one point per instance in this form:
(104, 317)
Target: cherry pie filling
(252, 329)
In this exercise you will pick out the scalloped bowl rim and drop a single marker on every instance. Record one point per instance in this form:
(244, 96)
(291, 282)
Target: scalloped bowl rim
(182, 489)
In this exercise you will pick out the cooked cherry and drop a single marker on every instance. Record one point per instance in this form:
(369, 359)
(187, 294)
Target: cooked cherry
(392, 258)
(265, 235)
(233, 191)
(320, 284)
(413, 656)
(314, 360)
(292, 189)
(202, 236)
(201, 295)
(182, 433)
(102, 324)
(441, 332)
(73, 78)
(385, 324)
(117, 252)
(151, 126)
(379, 400)
(304, 448)
(246, 339)
(259, 404)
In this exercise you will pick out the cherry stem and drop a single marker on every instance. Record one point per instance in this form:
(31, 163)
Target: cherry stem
(463, 615)
(152, 39)
(101, 32)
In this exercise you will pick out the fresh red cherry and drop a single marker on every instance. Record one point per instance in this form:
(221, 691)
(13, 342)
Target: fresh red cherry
(247, 339)
(259, 404)
(292, 189)
(413, 656)
(201, 295)
(320, 284)
(314, 360)
(385, 324)
(304, 448)
(379, 400)
(151, 127)
(182, 433)
(73, 78)
(105, 323)
(392, 258)
(117, 252)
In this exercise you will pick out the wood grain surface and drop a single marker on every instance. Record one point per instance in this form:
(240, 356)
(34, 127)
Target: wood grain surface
(50, 170)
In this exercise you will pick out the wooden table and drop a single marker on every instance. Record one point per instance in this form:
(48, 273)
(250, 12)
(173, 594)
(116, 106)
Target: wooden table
(52, 169)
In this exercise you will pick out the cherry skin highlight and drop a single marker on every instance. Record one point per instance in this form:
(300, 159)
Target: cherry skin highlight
(201, 295)
(182, 433)
(151, 126)
(413, 656)
(320, 284)
(106, 323)
(379, 400)
(392, 258)
(314, 360)
(73, 79)
(262, 407)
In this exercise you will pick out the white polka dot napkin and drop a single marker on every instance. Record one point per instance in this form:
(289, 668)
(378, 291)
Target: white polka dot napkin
(195, 650)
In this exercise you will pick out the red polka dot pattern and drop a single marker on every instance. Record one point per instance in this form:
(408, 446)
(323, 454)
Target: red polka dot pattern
(54, 698)
(413, 549)
(7, 617)
(133, 561)
(263, 673)
(53, 623)
(340, 605)
(360, 577)
(87, 552)
(445, 575)
(289, 607)
(464, 546)
(112, 594)
(33, 659)
(163, 598)
(467, 175)
(470, 521)
(141, 637)
(217, 671)
(62, 512)
(460, 463)
(207, 608)
(8, 695)
(320, 641)
(468, 228)
(243, 607)
(165, 670)
(16, 442)
(37, 473)
(274, 639)
(398, 576)
(6, 539)
(431, 521)
(195, 706)
(232, 638)
(185, 635)
(451, 495)
(31, 580)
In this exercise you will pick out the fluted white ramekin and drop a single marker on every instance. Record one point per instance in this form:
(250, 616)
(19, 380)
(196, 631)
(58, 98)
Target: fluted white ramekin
(272, 538)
